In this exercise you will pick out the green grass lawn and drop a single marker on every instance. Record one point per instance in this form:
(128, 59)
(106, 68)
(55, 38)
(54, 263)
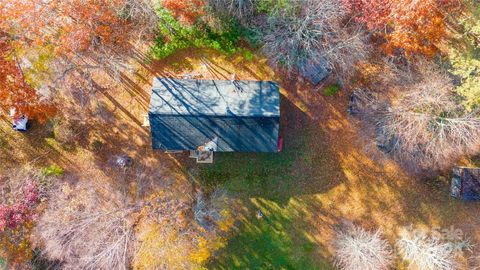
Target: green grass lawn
(331, 90)
(263, 182)
(267, 244)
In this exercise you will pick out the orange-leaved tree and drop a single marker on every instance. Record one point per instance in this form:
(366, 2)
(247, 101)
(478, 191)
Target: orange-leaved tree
(15, 93)
(413, 26)
(73, 26)
(186, 11)
(82, 36)
(418, 26)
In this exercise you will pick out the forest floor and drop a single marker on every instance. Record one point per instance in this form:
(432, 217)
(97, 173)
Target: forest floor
(326, 174)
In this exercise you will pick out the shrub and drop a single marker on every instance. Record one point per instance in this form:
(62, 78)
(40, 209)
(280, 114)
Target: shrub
(273, 6)
(64, 133)
(96, 145)
(52, 170)
(175, 36)
(248, 55)
(331, 90)
(360, 249)
(209, 212)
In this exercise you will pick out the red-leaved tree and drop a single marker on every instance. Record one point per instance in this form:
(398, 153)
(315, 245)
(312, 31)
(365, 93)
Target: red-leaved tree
(16, 223)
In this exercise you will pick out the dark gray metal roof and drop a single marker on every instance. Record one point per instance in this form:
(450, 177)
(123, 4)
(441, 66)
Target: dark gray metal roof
(233, 134)
(314, 71)
(214, 98)
(242, 116)
(466, 183)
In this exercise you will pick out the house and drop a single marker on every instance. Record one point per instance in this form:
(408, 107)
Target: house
(214, 115)
(466, 183)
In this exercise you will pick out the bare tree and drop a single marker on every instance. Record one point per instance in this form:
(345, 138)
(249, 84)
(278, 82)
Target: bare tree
(423, 252)
(176, 243)
(240, 9)
(150, 226)
(359, 249)
(85, 230)
(422, 123)
(207, 212)
(141, 13)
(312, 31)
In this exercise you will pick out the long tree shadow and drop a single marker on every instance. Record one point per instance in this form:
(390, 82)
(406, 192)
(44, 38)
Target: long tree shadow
(325, 176)
(321, 177)
(36, 147)
(276, 176)
(272, 183)
(273, 242)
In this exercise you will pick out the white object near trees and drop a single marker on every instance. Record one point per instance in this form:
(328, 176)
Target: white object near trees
(19, 122)
(146, 122)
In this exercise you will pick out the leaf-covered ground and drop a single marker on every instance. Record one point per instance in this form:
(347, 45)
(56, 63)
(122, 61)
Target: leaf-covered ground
(326, 174)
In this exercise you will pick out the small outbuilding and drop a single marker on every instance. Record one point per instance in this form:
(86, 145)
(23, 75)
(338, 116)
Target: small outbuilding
(466, 183)
(215, 115)
(314, 71)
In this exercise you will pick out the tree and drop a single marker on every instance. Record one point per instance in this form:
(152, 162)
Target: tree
(421, 251)
(423, 125)
(15, 92)
(20, 194)
(101, 227)
(83, 37)
(359, 249)
(464, 58)
(83, 229)
(418, 26)
(183, 243)
(143, 18)
(239, 9)
(374, 13)
(186, 11)
(410, 25)
(310, 31)
(73, 26)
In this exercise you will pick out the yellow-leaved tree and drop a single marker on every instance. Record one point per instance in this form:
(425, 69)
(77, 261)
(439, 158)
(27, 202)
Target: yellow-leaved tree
(178, 242)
